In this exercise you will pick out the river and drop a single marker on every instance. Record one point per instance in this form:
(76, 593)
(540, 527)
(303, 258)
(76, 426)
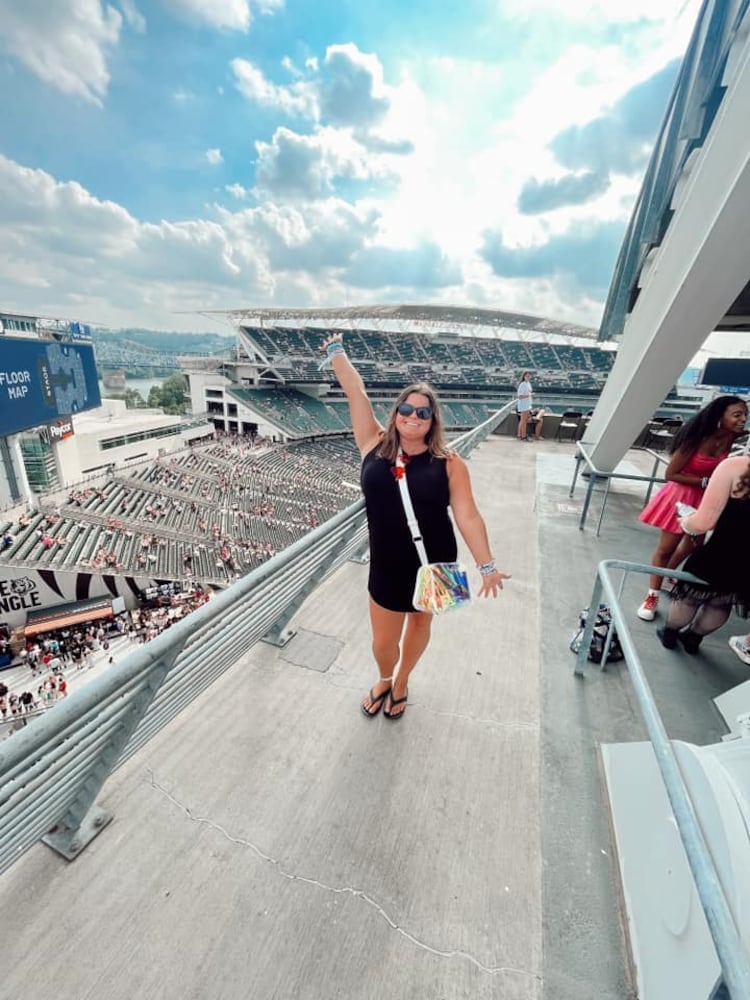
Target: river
(142, 385)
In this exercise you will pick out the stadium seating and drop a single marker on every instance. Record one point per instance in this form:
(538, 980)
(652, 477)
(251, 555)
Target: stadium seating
(446, 360)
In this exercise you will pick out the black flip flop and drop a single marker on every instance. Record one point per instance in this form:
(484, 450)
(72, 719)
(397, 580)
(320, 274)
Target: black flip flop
(395, 716)
(375, 703)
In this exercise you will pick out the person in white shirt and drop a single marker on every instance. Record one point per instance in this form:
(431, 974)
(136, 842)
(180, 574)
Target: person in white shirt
(523, 395)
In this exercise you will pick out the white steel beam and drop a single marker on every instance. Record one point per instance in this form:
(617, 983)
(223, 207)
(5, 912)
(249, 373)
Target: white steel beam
(692, 279)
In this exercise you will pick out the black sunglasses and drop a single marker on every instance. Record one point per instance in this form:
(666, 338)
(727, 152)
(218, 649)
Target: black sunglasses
(423, 412)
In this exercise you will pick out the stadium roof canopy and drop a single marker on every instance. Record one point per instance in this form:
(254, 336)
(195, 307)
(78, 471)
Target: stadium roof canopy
(463, 320)
(683, 269)
(702, 84)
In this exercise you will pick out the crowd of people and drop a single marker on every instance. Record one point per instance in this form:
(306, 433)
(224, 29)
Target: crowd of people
(231, 505)
(166, 606)
(51, 657)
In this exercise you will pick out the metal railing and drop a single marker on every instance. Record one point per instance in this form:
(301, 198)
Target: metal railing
(734, 961)
(52, 771)
(595, 475)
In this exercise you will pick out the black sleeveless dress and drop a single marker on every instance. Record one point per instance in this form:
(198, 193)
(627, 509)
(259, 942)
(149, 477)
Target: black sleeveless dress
(722, 562)
(393, 558)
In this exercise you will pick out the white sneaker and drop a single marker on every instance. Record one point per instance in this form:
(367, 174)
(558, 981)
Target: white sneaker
(647, 610)
(738, 646)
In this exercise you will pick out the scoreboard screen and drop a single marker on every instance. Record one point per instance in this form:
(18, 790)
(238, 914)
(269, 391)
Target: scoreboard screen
(731, 374)
(42, 380)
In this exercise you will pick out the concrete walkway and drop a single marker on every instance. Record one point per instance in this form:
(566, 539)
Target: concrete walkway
(273, 843)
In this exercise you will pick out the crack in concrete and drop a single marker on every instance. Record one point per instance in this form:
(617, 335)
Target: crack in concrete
(341, 890)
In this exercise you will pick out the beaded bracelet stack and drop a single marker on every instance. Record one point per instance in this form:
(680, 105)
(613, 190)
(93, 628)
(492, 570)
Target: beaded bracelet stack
(488, 568)
(333, 350)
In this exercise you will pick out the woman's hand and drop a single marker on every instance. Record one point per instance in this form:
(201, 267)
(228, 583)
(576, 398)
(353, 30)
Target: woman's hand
(492, 583)
(332, 338)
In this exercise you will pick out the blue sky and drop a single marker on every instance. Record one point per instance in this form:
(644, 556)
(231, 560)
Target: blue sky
(163, 156)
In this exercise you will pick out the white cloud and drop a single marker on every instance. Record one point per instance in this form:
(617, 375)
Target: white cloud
(289, 66)
(322, 236)
(351, 204)
(133, 16)
(352, 91)
(62, 245)
(233, 14)
(477, 145)
(65, 43)
(308, 166)
(347, 91)
(237, 191)
(297, 98)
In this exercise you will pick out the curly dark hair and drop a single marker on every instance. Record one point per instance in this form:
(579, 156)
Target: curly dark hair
(694, 431)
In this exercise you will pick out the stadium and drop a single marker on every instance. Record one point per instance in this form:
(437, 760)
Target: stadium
(267, 453)
(539, 826)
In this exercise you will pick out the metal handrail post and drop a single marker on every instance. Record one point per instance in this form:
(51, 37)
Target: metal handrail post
(588, 628)
(280, 634)
(579, 458)
(587, 499)
(84, 820)
(595, 474)
(596, 600)
(604, 505)
(653, 480)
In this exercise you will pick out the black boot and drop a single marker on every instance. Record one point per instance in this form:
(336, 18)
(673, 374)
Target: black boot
(668, 637)
(690, 641)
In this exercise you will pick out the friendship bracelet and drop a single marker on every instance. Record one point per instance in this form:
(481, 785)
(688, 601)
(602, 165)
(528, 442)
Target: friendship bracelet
(488, 568)
(704, 482)
(333, 350)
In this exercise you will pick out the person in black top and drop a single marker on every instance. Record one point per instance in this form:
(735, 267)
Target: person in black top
(697, 610)
(438, 479)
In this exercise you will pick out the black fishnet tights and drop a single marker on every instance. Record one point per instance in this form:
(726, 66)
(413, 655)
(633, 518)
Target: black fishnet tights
(702, 617)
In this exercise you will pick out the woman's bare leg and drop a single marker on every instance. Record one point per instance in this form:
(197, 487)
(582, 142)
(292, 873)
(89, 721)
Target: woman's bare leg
(523, 421)
(387, 627)
(415, 641)
(668, 542)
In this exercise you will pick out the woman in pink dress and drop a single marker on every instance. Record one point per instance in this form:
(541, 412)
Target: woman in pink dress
(698, 447)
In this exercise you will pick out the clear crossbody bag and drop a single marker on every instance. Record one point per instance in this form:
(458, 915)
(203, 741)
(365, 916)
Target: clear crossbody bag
(440, 587)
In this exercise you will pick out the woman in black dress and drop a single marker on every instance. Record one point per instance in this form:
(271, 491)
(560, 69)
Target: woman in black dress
(438, 479)
(694, 610)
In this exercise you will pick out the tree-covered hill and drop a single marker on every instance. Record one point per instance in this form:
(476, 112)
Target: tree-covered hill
(174, 342)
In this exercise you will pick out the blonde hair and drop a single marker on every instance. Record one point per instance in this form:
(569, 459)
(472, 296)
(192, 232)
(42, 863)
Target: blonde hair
(435, 436)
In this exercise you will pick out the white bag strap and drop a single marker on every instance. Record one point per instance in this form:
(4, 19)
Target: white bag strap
(411, 517)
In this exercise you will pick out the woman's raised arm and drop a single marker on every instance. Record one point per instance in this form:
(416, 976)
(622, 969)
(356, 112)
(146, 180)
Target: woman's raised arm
(367, 429)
